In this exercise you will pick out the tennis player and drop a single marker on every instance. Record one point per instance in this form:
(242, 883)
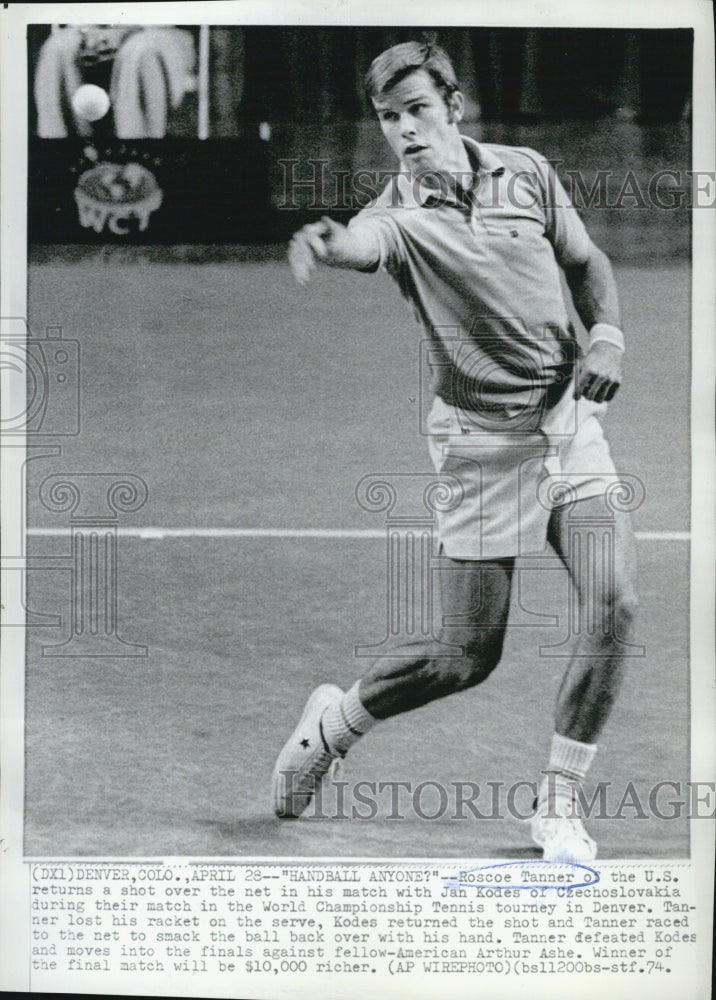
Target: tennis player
(476, 237)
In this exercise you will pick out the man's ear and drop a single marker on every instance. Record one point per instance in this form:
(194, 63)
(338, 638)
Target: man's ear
(456, 107)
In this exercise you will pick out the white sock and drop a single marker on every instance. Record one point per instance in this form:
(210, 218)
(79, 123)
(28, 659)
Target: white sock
(569, 761)
(345, 722)
(570, 757)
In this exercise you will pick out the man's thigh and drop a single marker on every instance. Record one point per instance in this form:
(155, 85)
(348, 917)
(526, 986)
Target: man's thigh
(475, 600)
(597, 545)
(475, 603)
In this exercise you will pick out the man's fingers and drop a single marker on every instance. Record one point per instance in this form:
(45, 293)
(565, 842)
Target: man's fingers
(312, 242)
(313, 229)
(301, 260)
(606, 391)
(599, 389)
(594, 388)
(306, 245)
(330, 228)
(600, 373)
(584, 383)
(313, 237)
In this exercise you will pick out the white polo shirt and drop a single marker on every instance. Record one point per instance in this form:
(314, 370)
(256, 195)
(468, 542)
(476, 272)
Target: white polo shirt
(481, 269)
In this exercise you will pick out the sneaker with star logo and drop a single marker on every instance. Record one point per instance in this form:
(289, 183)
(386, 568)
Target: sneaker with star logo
(305, 758)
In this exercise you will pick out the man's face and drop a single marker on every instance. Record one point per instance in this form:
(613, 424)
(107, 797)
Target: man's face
(417, 122)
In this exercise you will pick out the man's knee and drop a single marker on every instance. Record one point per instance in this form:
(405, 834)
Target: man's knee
(626, 608)
(619, 606)
(482, 651)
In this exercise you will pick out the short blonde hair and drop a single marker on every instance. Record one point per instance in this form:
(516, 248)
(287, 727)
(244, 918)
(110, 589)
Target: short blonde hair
(399, 61)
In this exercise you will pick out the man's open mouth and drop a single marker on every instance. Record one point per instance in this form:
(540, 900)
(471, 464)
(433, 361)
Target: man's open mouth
(414, 148)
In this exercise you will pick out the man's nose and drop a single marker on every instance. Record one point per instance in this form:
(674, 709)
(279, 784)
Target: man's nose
(407, 125)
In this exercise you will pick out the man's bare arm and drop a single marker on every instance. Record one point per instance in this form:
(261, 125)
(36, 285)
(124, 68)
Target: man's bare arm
(594, 292)
(333, 244)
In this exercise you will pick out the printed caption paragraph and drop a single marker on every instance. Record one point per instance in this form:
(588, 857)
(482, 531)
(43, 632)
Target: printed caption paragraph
(155, 923)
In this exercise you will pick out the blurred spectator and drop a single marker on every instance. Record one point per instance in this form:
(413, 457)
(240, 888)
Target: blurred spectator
(148, 72)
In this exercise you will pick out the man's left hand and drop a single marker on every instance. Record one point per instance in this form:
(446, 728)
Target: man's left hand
(600, 373)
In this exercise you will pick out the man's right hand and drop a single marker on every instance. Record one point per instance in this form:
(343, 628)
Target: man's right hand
(331, 243)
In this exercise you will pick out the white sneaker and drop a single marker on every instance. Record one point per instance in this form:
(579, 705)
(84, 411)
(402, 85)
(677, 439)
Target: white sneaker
(305, 758)
(557, 828)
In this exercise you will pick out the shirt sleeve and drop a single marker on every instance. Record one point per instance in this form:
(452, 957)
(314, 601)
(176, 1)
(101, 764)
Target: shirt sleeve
(563, 226)
(386, 231)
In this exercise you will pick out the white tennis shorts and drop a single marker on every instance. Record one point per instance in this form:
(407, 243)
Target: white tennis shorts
(511, 480)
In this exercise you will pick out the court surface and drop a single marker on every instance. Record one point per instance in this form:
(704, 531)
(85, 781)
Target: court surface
(252, 408)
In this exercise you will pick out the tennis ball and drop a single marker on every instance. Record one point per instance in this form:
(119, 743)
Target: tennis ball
(90, 102)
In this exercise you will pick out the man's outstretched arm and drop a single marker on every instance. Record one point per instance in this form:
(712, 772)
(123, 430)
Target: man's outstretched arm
(333, 244)
(594, 292)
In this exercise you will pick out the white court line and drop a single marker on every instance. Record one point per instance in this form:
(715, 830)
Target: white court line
(663, 536)
(159, 533)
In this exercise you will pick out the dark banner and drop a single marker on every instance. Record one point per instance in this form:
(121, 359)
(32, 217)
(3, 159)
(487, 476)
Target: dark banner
(148, 191)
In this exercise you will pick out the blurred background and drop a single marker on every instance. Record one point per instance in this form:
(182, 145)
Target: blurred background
(509, 74)
(213, 111)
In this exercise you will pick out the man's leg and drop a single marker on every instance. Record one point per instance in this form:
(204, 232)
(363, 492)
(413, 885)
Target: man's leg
(602, 568)
(605, 586)
(478, 595)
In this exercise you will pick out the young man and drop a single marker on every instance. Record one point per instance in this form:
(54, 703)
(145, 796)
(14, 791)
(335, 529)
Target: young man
(475, 236)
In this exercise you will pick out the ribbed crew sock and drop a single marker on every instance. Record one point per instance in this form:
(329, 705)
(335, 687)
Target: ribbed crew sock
(345, 722)
(569, 762)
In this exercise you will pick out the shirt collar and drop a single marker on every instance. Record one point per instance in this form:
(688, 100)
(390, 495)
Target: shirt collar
(411, 194)
(487, 161)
